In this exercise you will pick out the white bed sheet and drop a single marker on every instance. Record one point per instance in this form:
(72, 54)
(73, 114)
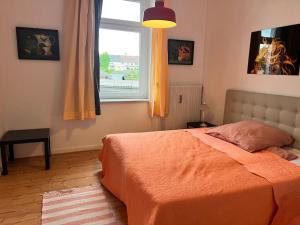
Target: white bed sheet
(296, 152)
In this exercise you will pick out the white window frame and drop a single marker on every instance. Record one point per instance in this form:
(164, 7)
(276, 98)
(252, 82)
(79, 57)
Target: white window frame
(144, 56)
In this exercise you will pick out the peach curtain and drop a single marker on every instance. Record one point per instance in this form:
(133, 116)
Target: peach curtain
(79, 41)
(159, 99)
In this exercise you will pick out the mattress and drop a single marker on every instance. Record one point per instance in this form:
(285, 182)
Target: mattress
(189, 178)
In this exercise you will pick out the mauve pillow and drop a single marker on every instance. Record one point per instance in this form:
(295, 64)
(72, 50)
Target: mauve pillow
(285, 154)
(251, 135)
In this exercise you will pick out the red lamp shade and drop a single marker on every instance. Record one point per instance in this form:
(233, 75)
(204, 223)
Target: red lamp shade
(159, 16)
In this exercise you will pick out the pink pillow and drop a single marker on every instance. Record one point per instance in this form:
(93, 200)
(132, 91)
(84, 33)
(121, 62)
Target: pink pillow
(285, 154)
(251, 135)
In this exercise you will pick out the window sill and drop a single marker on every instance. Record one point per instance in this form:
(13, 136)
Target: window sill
(123, 100)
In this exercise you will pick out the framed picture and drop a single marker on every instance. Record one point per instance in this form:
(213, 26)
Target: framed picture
(180, 52)
(37, 44)
(275, 51)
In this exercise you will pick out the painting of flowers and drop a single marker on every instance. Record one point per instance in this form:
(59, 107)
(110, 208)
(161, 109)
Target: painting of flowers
(275, 51)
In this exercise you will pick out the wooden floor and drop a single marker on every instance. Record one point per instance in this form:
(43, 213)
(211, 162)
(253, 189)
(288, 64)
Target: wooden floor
(21, 191)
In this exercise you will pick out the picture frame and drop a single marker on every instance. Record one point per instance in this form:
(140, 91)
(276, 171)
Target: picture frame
(180, 52)
(37, 44)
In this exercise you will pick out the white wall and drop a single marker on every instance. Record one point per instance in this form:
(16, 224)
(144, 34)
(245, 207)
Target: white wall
(191, 25)
(229, 26)
(33, 90)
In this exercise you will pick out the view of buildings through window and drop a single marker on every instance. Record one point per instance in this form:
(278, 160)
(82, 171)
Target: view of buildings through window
(122, 42)
(119, 60)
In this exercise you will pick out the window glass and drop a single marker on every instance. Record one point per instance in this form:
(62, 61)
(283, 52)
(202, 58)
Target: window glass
(121, 10)
(119, 60)
(124, 51)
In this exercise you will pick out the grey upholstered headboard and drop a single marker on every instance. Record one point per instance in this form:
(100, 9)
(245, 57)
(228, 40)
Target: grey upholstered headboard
(276, 110)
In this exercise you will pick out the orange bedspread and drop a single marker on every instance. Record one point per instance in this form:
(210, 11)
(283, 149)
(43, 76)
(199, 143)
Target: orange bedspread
(189, 178)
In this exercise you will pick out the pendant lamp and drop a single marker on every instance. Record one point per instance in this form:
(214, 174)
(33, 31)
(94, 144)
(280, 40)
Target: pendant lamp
(159, 16)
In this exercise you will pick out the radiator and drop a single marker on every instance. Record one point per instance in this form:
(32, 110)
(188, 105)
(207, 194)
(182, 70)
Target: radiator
(184, 106)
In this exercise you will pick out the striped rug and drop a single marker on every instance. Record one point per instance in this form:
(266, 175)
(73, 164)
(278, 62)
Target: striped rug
(87, 205)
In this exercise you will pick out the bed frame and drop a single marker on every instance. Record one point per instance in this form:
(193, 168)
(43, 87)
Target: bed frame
(276, 110)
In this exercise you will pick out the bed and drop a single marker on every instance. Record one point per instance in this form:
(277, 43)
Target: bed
(185, 177)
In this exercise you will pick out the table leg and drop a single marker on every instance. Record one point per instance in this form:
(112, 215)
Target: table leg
(4, 160)
(49, 142)
(11, 152)
(47, 154)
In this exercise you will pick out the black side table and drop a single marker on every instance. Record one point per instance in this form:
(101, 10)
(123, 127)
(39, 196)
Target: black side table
(24, 136)
(197, 124)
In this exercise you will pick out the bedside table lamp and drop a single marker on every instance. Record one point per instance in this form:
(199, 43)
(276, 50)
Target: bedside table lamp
(203, 107)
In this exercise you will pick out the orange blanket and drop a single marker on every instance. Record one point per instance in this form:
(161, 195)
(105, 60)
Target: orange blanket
(175, 178)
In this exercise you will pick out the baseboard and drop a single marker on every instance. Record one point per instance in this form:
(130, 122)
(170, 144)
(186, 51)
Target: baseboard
(57, 151)
(54, 150)
(75, 149)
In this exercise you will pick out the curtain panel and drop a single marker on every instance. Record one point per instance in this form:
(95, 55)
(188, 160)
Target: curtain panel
(159, 86)
(81, 84)
(98, 13)
(159, 96)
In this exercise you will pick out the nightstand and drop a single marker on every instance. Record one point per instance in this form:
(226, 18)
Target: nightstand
(197, 124)
(24, 136)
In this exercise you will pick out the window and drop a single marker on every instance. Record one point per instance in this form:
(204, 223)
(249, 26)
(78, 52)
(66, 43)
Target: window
(123, 48)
